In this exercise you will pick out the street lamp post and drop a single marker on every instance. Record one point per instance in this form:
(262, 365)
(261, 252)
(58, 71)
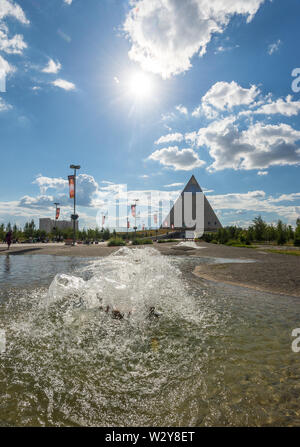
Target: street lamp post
(135, 227)
(56, 205)
(74, 216)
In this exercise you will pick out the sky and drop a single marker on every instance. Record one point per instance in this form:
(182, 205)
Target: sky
(144, 93)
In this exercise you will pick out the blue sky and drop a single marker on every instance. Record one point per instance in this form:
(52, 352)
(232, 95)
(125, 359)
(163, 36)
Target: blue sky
(146, 93)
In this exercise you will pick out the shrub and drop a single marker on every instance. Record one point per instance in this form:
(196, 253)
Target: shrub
(116, 242)
(143, 241)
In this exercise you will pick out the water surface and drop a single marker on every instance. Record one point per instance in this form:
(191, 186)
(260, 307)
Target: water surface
(217, 355)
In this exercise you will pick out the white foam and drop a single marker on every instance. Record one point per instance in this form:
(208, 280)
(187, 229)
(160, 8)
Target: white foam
(129, 280)
(189, 244)
(2, 341)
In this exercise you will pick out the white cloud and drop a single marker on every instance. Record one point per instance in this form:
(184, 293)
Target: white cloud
(68, 2)
(258, 147)
(226, 95)
(174, 185)
(10, 8)
(184, 159)
(15, 45)
(286, 107)
(171, 137)
(5, 67)
(4, 106)
(274, 47)
(181, 109)
(166, 34)
(46, 183)
(52, 67)
(116, 79)
(65, 85)
(262, 173)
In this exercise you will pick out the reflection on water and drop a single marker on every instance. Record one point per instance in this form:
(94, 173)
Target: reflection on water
(217, 355)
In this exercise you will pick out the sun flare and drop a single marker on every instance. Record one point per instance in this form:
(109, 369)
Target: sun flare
(140, 86)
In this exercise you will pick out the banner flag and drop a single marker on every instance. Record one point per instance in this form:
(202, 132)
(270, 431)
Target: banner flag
(71, 186)
(172, 226)
(133, 209)
(103, 220)
(57, 213)
(128, 223)
(155, 218)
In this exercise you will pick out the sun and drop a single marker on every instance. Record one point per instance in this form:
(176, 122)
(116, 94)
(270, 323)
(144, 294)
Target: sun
(140, 86)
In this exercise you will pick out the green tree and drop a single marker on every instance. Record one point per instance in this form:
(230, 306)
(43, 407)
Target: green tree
(297, 234)
(259, 228)
(281, 233)
(2, 232)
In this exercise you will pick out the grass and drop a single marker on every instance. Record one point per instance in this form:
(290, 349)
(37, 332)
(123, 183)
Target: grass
(286, 252)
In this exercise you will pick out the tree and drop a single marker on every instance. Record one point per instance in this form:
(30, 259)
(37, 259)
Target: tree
(2, 232)
(281, 233)
(297, 234)
(29, 229)
(259, 228)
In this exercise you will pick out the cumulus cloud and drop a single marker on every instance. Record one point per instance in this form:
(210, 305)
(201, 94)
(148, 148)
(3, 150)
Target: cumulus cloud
(52, 67)
(173, 157)
(65, 85)
(68, 2)
(10, 8)
(166, 34)
(226, 95)
(14, 45)
(42, 201)
(46, 183)
(5, 67)
(262, 173)
(258, 147)
(286, 107)
(273, 47)
(170, 138)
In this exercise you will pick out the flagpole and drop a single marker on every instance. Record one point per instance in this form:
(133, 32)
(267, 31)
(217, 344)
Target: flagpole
(56, 205)
(74, 217)
(135, 227)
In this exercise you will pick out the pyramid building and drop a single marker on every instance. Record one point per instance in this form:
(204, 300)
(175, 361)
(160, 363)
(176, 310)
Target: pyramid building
(204, 217)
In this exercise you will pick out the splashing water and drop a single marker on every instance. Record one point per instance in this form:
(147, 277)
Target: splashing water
(75, 364)
(190, 244)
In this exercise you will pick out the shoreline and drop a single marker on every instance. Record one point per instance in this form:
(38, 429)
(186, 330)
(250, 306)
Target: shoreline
(197, 272)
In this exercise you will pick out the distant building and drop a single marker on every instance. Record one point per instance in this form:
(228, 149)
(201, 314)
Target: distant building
(208, 219)
(47, 224)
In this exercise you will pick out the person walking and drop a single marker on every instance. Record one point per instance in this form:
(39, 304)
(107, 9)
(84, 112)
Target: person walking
(8, 238)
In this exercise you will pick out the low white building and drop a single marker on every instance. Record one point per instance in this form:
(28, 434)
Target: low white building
(47, 224)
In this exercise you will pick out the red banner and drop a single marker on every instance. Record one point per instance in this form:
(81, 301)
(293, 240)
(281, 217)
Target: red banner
(71, 186)
(128, 224)
(57, 213)
(133, 209)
